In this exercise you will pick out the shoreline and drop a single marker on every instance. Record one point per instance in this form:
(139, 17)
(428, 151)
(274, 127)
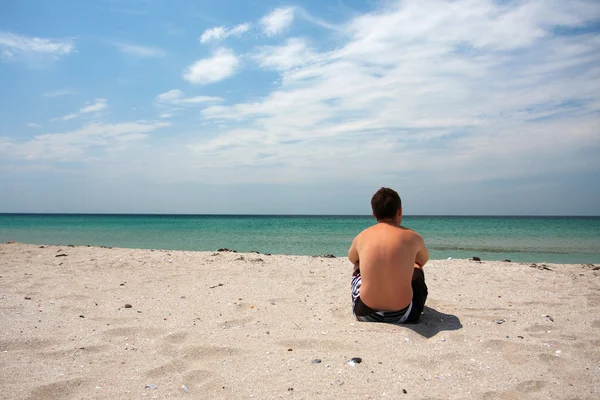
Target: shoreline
(241, 325)
(476, 254)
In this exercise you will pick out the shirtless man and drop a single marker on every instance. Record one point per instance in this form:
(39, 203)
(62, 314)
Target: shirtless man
(388, 283)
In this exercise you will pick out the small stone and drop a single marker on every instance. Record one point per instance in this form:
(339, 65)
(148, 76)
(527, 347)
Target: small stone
(185, 389)
(475, 258)
(404, 391)
(151, 386)
(27, 298)
(128, 305)
(60, 255)
(507, 260)
(548, 316)
(500, 321)
(290, 350)
(81, 316)
(290, 389)
(520, 337)
(316, 361)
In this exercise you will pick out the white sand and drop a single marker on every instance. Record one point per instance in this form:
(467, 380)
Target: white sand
(256, 335)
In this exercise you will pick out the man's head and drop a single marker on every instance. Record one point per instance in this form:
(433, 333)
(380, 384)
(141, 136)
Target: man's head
(386, 204)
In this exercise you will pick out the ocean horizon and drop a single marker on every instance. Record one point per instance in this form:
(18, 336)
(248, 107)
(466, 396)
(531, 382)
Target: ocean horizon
(519, 238)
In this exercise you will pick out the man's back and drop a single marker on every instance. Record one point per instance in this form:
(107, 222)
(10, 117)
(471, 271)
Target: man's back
(387, 256)
(388, 283)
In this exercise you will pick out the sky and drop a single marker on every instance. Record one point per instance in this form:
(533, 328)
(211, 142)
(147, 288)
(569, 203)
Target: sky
(465, 107)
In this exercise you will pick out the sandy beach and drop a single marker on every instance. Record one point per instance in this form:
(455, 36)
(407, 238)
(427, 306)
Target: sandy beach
(109, 323)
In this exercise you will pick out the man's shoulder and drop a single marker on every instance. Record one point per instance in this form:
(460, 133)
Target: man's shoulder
(410, 233)
(365, 233)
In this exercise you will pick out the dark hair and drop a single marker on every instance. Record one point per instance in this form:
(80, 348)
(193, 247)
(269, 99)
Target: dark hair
(385, 203)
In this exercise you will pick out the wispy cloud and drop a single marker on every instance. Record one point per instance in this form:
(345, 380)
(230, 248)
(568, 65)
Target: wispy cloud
(221, 65)
(33, 125)
(473, 87)
(139, 51)
(96, 106)
(277, 21)
(221, 32)
(13, 46)
(59, 92)
(75, 145)
(294, 53)
(176, 97)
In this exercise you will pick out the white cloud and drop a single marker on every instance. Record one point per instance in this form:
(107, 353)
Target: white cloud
(58, 93)
(96, 106)
(176, 97)
(221, 32)
(99, 104)
(14, 45)
(140, 51)
(239, 29)
(33, 125)
(75, 145)
(277, 21)
(461, 90)
(293, 54)
(221, 65)
(173, 101)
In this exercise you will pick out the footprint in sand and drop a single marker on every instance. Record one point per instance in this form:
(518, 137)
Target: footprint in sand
(176, 338)
(134, 332)
(26, 344)
(58, 390)
(530, 386)
(511, 352)
(196, 379)
(236, 323)
(208, 353)
(168, 369)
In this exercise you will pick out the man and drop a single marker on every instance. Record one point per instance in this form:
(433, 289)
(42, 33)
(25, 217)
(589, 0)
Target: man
(388, 283)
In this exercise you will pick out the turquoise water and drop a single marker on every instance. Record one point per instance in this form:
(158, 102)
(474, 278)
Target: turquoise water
(522, 239)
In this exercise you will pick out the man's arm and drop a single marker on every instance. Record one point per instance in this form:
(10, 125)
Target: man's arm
(422, 252)
(353, 253)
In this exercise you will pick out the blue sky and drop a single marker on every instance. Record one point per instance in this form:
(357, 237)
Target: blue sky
(306, 107)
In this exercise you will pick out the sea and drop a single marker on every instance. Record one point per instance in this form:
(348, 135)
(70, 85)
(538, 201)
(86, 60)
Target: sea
(569, 240)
